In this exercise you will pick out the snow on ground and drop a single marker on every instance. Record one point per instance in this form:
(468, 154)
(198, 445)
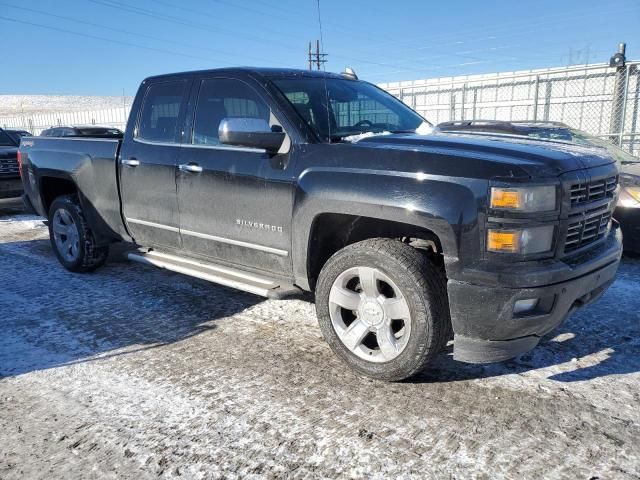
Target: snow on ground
(135, 372)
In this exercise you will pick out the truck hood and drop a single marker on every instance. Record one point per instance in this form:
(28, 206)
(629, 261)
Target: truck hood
(538, 158)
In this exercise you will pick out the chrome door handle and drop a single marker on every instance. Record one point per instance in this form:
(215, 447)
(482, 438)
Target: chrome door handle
(190, 167)
(131, 162)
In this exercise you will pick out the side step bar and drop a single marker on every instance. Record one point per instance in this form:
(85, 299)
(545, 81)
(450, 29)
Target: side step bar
(229, 277)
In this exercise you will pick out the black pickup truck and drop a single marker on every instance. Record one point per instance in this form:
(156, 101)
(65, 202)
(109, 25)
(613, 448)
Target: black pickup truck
(10, 184)
(275, 181)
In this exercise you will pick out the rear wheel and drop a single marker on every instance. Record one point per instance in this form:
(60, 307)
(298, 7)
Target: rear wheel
(382, 307)
(71, 238)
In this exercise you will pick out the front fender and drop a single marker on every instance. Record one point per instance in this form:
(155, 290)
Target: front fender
(446, 206)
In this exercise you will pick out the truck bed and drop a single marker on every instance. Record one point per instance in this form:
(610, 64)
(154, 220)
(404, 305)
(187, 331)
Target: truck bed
(90, 163)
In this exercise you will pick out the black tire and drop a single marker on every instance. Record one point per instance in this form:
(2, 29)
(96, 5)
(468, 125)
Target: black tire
(90, 255)
(423, 287)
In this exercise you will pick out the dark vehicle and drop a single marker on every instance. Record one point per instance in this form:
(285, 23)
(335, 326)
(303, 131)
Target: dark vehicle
(275, 181)
(90, 131)
(627, 211)
(10, 183)
(16, 135)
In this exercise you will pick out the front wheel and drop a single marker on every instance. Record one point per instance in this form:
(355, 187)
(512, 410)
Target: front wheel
(382, 307)
(71, 238)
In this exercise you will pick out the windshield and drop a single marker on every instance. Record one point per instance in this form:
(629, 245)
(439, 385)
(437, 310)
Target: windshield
(6, 140)
(353, 108)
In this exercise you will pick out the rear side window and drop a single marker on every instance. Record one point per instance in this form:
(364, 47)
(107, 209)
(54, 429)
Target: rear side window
(224, 98)
(161, 111)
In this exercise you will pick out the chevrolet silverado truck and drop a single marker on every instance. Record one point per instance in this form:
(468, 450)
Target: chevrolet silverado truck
(280, 181)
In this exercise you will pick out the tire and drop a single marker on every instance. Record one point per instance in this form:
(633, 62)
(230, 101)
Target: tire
(406, 326)
(71, 238)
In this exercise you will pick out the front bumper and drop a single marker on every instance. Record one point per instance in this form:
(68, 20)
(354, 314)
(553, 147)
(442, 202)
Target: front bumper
(10, 187)
(486, 329)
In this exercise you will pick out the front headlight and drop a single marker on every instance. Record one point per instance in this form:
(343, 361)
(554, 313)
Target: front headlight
(630, 197)
(521, 241)
(524, 199)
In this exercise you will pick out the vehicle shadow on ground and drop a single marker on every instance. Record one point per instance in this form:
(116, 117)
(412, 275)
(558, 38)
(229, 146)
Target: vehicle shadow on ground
(51, 317)
(599, 340)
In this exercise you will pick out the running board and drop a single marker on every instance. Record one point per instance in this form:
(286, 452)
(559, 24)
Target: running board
(229, 277)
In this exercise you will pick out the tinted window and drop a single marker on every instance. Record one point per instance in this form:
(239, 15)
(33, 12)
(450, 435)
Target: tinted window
(99, 132)
(160, 112)
(224, 98)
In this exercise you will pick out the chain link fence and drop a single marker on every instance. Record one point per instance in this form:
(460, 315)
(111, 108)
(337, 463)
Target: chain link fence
(598, 99)
(112, 117)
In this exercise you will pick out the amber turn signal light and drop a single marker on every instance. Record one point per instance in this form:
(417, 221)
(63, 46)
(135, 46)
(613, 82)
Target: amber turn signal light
(503, 241)
(507, 199)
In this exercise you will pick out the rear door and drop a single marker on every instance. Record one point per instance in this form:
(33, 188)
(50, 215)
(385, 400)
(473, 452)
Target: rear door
(149, 158)
(235, 203)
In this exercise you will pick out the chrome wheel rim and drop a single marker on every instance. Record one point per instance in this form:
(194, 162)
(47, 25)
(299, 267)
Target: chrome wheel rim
(369, 314)
(66, 235)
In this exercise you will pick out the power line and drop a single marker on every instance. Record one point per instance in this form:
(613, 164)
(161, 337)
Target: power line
(412, 59)
(460, 39)
(208, 14)
(321, 58)
(104, 39)
(120, 30)
(185, 22)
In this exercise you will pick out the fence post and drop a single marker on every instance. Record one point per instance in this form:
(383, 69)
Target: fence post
(535, 98)
(452, 106)
(464, 94)
(475, 101)
(547, 100)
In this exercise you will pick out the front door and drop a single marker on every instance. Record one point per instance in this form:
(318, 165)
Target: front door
(149, 162)
(235, 203)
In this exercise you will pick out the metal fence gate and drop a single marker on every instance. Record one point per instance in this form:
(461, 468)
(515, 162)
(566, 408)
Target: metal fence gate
(598, 99)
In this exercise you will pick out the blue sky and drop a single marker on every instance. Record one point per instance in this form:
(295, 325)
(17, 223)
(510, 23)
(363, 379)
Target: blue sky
(100, 47)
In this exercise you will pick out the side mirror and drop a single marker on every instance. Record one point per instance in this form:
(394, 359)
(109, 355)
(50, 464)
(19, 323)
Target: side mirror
(250, 132)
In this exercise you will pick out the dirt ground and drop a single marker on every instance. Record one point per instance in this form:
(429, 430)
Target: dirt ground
(132, 372)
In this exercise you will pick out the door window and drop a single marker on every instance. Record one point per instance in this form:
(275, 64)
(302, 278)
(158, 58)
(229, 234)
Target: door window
(224, 98)
(161, 111)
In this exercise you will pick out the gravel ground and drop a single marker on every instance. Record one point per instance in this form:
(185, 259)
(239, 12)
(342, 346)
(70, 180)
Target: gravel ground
(132, 372)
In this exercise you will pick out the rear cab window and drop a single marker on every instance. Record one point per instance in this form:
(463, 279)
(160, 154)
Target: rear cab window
(161, 110)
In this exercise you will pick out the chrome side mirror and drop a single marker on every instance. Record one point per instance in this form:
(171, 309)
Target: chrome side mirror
(250, 132)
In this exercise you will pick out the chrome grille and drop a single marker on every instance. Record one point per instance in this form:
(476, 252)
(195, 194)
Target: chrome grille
(586, 230)
(585, 192)
(9, 166)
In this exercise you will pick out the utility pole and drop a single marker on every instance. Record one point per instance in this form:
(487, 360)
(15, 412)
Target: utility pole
(316, 58)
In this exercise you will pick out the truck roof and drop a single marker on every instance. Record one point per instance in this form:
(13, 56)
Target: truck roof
(258, 71)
